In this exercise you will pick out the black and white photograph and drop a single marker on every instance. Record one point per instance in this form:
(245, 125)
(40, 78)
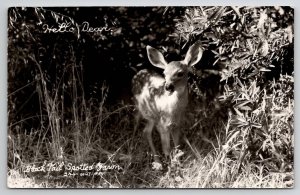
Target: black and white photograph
(150, 97)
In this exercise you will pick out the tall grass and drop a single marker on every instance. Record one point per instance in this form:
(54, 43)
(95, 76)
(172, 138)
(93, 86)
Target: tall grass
(253, 148)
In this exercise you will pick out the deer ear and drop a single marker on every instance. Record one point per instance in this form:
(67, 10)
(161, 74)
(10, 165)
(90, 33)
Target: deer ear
(156, 58)
(194, 54)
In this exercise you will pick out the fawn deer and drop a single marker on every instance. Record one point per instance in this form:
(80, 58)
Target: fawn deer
(162, 100)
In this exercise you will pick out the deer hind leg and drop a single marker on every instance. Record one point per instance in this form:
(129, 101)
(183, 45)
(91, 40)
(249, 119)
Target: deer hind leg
(148, 133)
(137, 118)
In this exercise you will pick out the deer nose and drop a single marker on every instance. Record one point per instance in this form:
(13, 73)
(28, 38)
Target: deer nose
(169, 87)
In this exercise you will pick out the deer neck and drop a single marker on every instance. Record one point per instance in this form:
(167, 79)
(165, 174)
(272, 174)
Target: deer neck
(179, 98)
(181, 93)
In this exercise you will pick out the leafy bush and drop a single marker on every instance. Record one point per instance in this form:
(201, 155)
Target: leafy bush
(253, 51)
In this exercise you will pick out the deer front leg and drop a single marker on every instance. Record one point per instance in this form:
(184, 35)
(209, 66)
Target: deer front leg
(148, 133)
(165, 141)
(175, 136)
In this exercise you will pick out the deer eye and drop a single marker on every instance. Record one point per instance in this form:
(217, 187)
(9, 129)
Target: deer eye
(179, 74)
